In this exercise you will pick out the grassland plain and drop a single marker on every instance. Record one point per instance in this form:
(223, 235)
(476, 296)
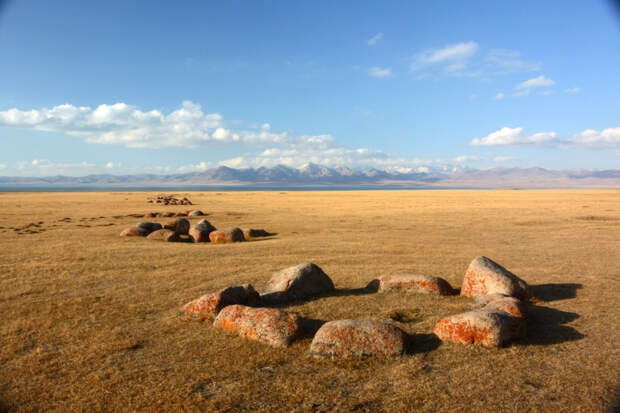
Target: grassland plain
(89, 319)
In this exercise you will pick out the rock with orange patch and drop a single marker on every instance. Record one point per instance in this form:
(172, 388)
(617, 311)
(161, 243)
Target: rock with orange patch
(485, 277)
(297, 283)
(269, 325)
(489, 328)
(347, 339)
(200, 232)
(179, 225)
(151, 215)
(181, 214)
(164, 235)
(167, 214)
(134, 232)
(209, 305)
(196, 213)
(501, 302)
(415, 283)
(254, 233)
(224, 236)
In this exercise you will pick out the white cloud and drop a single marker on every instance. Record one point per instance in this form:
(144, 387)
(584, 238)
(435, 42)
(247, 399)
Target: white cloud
(109, 165)
(455, 54)
(374, 39)
(514, 136)
(540, 81)
(506, 61)
(2, 166)
(572, 90)
(499, 96)
(590, 138)
(380, 72)
(122, 124)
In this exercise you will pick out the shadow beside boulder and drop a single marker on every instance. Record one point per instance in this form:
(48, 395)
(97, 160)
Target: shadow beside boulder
(554, 292)
(422, 343)
(545, 326)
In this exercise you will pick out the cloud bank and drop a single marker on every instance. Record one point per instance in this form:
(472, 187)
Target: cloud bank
(588, 139)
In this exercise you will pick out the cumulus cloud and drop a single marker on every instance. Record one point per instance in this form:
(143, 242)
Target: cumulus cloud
(540, 81)
(572, 90)
(456, 55)
(109, 165)
(504, 158)
(514, 136)
(509, 61)
(588, 139)
(374, 39)
(122, 124)
(380, 72)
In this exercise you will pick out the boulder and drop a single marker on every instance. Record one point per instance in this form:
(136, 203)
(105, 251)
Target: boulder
(149, 226)
(484, 277)
(268, 325)
(489, 328)
(134, 232)
(180, 226)
(151, 215)
(500, 302)
(196, 213)
(297, 283)
(224, 236)
(254, 233)
(200, 232)
(180, 214)
(209, 305)
(164, 235)
(415, 283)
(167, 214)
(347, 339)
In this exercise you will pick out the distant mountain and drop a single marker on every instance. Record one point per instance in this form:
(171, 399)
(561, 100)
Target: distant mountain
(317, 175)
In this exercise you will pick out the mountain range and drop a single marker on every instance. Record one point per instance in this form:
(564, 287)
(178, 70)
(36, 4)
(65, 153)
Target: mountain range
(316, 175)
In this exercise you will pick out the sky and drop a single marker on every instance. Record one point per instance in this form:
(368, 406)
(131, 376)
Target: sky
(125, 87)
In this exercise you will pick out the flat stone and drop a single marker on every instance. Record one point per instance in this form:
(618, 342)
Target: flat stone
(134, 232)
(268, 325)
(489, 328)
(347, 339)
(485, 277)
(225, 236)
(415, 283)
(501, 302)
(164, 235)
(302, 281)
(209, 305)
(149, 226)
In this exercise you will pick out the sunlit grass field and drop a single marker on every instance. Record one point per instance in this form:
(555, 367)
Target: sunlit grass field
(89, 319)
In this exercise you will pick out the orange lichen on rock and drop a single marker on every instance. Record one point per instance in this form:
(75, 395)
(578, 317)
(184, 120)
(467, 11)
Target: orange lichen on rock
(164, 235)
(416, 283)
(200, 232)
(489, 328)
(268, 325)
(501, 302)
(484, 277)
(225, 236)
(210, 305)
(134, 232)
(347, 339)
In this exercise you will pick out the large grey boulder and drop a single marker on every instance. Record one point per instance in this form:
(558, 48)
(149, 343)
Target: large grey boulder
(297, 283)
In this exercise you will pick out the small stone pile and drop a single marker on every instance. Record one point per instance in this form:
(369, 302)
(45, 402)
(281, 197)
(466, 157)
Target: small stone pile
(497, 315)
(180, 230)
(170, 200)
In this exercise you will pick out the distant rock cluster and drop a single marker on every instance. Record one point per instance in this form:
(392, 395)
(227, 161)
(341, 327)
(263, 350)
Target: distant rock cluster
(180, 230)
(497, 315)
(170, 200)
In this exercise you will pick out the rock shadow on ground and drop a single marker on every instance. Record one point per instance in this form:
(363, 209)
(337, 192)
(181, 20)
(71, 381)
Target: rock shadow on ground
(545, 326)
(554, 292)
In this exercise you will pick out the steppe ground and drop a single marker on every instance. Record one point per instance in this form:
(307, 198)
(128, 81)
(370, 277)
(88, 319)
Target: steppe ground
(89, 319)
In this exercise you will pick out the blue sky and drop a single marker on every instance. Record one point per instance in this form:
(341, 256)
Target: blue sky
(163, 87)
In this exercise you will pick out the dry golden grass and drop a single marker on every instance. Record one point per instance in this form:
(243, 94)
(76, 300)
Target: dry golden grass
(89, 319)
